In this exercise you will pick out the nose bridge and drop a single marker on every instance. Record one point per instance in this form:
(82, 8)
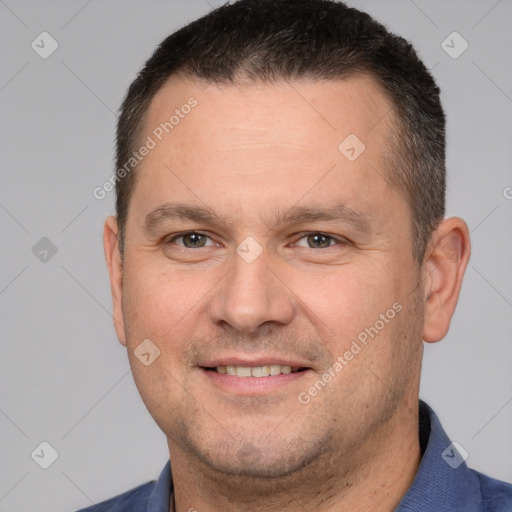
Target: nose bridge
(251, 294)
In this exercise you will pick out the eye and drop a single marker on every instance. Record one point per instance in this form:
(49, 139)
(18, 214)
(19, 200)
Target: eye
(191, 240)
(318, 241)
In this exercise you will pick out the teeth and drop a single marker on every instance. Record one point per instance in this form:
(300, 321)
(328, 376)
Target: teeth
(260, 371)
(243, 371)
(275, 369)
(254, 371)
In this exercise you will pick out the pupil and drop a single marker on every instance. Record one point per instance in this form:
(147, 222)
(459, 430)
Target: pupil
(195, 239)
(319, 241)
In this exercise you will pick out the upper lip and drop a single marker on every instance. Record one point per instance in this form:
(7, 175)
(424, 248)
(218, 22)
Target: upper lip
(254, 361)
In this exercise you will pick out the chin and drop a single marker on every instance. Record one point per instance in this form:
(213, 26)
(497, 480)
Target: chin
(259, 458)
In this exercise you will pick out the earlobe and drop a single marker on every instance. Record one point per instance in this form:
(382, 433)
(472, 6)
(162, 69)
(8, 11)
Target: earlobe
(444, 267)
(115, 270)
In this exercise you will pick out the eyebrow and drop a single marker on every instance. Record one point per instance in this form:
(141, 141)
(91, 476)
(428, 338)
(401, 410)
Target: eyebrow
(294, 215)
(172, 211)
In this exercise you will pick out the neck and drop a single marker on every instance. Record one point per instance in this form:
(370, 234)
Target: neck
(371, 477)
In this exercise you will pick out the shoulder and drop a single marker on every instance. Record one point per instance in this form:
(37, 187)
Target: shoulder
(132, 500)
(152, 496)
(496, 494)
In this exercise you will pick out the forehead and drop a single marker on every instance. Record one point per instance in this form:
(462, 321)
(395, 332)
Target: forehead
(254, 144)
(246, 110)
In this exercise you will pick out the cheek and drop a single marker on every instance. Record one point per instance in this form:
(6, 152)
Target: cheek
(157, 308)
(343, 301)
(157, 300)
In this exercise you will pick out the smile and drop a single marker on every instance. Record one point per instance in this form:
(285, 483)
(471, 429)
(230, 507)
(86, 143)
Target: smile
(255, 371)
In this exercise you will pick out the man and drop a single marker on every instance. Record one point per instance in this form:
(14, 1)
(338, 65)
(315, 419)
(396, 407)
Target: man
(279, 255)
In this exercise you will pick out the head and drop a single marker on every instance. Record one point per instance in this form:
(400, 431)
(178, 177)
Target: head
(284, 41)
(290, 215)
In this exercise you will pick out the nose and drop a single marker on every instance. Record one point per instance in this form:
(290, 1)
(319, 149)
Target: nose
(252, 296)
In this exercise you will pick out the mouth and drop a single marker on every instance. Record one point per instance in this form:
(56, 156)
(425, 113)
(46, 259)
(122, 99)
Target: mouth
(239, 377)
(270, 370)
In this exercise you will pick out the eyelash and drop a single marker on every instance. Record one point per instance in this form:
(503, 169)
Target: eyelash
(303, 235)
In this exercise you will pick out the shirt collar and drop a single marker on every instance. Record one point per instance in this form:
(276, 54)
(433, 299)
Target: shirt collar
(159, 499)
(443, 482)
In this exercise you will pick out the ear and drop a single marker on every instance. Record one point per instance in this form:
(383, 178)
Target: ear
(444, 266)
(115, 270)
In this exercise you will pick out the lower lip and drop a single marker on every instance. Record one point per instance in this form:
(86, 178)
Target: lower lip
(253, 385)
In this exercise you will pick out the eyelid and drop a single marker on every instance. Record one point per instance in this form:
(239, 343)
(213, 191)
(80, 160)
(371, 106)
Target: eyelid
(171, 238)
(339, 239)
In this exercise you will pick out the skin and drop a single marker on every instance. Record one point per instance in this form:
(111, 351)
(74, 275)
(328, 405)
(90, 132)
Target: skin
(247, 153)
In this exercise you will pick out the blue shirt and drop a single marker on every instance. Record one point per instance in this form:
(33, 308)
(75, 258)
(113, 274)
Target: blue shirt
(443, 482)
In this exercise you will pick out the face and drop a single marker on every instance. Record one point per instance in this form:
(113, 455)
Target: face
(259, 243)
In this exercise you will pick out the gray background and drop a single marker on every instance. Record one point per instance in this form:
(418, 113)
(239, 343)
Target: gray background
(64, 377)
